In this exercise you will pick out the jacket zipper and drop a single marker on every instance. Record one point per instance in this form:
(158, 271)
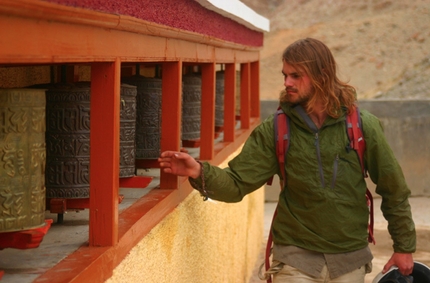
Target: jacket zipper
(315, 130)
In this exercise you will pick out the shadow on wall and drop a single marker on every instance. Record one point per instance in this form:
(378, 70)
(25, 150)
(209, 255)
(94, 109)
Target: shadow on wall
(406, 124)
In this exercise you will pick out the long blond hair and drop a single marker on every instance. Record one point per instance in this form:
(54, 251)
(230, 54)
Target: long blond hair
(316, 59)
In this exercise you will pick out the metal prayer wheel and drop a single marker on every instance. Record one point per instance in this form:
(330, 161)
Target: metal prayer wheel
(191, 106)
(68, 140)
(22, 159)
(219, 100)
(148, 116)
(127, 131)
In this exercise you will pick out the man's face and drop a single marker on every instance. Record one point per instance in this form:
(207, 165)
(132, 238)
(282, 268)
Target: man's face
(297, 84)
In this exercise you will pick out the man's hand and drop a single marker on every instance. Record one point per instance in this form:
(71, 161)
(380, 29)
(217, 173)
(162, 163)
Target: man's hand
(179, 163)
(403, 261)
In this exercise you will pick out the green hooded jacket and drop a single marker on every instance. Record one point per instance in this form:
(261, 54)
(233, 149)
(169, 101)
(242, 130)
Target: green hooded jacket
(323, 206)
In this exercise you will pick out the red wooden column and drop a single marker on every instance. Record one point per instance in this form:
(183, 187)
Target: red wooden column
(255, 89)
(245, 104)
(104, 154)
(171, 108)
(229, 102)
(207, 122)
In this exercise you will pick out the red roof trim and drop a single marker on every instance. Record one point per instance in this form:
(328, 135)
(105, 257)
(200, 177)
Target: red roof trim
(182, 14)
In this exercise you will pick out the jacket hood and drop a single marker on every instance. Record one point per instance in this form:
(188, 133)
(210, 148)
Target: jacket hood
(295, 117)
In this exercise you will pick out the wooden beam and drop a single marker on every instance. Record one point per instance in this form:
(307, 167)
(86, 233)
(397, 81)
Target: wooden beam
(138, 182)
(245, 97)
(255, 89)
(104, 153)
(229, 102)
(171, 111)
(96, 264)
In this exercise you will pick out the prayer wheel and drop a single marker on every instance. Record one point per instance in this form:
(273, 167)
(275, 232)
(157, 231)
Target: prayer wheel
(127, 131)
(22, 159)
(219, 100)
(68, 140)
(148, 116)
(191, 106)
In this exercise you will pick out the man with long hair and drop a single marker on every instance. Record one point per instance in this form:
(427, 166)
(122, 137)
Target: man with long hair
(320, 231)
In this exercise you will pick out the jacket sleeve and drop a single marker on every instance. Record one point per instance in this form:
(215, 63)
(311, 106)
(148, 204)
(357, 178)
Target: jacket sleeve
(386, 173)
(246, 172)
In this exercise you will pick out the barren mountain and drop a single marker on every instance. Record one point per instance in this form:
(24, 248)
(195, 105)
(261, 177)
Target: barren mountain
(381, 47)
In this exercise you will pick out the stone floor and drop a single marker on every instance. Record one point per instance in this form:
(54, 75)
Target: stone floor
(24, 266)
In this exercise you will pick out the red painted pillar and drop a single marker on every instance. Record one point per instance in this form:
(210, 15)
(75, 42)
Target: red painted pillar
(229, 102)
(171, 107)
(104, 153)
(245, 104)
(255, 89)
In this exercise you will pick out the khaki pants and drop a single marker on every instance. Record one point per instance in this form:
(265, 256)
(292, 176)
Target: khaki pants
(290, 274)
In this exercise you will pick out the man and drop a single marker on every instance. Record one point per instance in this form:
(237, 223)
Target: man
(320, 232)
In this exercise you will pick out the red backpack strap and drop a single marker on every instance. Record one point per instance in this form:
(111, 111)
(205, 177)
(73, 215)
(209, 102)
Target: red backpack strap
(357, 143)
(281, 127)
(355, 134)
(282, 136)
(369, 197)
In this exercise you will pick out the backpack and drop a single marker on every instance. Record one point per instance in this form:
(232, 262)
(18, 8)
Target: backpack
(357, 143)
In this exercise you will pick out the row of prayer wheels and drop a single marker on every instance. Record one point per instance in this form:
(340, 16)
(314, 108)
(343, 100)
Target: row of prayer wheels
(45, 139)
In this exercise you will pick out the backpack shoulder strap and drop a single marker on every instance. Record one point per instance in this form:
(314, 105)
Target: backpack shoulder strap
(282, 137)
(355, 135)
(358, 144)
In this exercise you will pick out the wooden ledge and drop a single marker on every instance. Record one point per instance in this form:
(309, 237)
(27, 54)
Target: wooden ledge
(96, 264)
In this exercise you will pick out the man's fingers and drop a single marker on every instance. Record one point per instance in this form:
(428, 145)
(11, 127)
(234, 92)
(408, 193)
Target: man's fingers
(165, 154)
(406, 270)
(387, 266)
(172, 154)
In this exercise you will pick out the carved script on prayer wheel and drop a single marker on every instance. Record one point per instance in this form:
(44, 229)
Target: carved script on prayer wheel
(191, 106)
(22, 159)
(68, 138)
(67, 141)
(127, 131)
(219, 99)
(148, 116)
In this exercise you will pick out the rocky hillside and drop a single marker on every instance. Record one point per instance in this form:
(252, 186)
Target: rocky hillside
(381, 47)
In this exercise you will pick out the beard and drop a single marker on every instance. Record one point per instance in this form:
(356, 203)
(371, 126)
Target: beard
(294, 96)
